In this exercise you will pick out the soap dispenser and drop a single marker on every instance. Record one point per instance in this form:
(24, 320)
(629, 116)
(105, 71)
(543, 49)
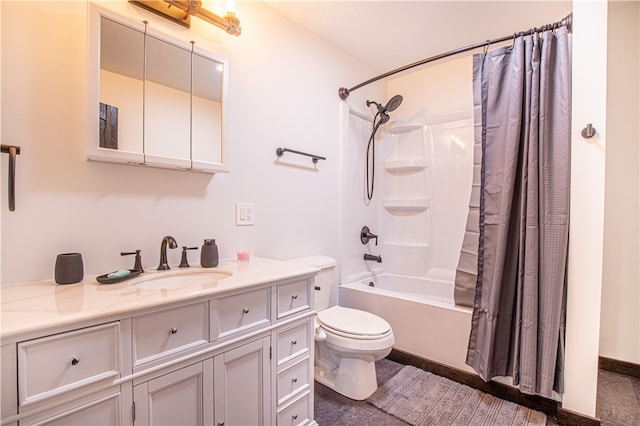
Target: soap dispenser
(209, 254)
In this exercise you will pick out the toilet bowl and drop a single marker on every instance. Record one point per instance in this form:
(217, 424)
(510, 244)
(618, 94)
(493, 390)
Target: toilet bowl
(347, 341)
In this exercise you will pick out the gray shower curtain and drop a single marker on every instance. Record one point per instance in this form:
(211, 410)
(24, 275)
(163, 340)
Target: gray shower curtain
(519, 304)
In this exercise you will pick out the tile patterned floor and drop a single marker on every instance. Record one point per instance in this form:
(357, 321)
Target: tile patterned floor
(618, 402)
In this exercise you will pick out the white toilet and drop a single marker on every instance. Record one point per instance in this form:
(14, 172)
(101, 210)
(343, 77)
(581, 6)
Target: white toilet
(347, 341)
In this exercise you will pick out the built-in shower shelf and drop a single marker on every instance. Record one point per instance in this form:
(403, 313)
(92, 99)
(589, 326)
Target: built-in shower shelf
(406, 166)
(405, 245)
(404, 128)
(406, 204)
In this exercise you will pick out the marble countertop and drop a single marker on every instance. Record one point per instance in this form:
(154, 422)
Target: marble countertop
(34, 307)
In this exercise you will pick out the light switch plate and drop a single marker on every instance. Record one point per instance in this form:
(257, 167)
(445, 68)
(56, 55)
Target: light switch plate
(245, 214)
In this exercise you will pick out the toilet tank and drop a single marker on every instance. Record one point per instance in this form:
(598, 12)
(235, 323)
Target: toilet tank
(325, 280)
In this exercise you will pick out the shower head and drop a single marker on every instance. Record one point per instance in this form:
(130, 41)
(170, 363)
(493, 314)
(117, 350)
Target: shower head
(383, 111)
(393, 103)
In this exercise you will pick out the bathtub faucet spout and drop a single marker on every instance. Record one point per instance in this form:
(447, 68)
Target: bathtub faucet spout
(372, 257)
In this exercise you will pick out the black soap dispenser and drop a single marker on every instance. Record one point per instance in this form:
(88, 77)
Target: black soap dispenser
(209, 254)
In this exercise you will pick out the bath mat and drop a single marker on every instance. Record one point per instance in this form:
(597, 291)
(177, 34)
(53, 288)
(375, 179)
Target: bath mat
(421, 398)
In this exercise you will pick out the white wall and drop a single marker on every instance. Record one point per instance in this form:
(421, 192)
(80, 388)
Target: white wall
(587, 206)
(620, 323)
(283, 90)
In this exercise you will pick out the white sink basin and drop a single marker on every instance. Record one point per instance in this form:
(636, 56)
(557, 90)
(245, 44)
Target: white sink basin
(166, 280)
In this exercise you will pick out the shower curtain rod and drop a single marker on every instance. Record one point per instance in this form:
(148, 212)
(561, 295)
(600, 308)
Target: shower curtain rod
(567, 21)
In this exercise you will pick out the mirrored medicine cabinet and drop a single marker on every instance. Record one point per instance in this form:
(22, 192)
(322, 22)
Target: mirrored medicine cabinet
(152, 99)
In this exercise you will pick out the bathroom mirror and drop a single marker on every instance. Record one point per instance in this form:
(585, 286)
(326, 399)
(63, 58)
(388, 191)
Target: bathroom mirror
(167, 115)
(153, 99)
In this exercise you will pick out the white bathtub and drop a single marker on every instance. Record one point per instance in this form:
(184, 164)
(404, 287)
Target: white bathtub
(424, 319)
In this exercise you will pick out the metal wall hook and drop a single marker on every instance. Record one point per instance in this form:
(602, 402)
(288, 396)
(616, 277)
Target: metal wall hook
(589, 131)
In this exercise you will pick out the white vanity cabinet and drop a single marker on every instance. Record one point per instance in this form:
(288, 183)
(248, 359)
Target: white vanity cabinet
(243, 356)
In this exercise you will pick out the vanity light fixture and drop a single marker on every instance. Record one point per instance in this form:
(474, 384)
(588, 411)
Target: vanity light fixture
(180, 12)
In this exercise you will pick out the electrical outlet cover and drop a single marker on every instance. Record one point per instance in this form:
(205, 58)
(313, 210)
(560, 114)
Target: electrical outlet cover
(245, 214)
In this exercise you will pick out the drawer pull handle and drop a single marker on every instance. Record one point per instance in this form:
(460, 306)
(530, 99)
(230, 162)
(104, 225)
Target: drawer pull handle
(294, 380)
(174, 330)
(75, 361)
(294, 297)
(245, 310)
(294, 342)
(220, 423)
(294, 417)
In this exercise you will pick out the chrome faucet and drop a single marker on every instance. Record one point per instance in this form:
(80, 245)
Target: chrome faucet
(372, 257)
(164, 265)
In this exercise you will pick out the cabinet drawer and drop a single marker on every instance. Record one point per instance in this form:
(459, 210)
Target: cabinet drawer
(55, 364)
(166, 332)
(293, 380)
(293, 342)
(100, 411)
(293, 298)
(296, 413)
(239, 312)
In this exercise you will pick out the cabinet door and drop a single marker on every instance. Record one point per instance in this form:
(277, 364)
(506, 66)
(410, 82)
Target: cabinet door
(182, 397)
(242, 385)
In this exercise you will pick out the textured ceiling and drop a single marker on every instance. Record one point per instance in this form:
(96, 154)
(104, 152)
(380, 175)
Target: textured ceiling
(384, 35)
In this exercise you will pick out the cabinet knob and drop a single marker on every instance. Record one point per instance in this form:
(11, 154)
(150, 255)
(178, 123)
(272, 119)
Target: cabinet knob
(245, 310)
(294, 297)
(294, 417)
(220, 423)
(294, 380)
(294, 342)
(174, 330)
(75, 360)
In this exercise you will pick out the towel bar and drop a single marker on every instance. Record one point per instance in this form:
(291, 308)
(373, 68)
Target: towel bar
(314, 157)
(12, 150)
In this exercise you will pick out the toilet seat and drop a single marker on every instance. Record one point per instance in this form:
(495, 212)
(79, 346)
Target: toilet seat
(353, 323)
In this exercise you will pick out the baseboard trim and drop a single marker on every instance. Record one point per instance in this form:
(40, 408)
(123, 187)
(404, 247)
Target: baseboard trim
(619, 366)
(568, 417)
(550, 407)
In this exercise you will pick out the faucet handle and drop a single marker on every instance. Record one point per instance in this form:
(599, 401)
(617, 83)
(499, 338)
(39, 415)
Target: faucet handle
(366, 235)
(138, 262)
(184, 263)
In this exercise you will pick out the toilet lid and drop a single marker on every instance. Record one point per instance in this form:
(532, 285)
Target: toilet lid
(353, 322)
